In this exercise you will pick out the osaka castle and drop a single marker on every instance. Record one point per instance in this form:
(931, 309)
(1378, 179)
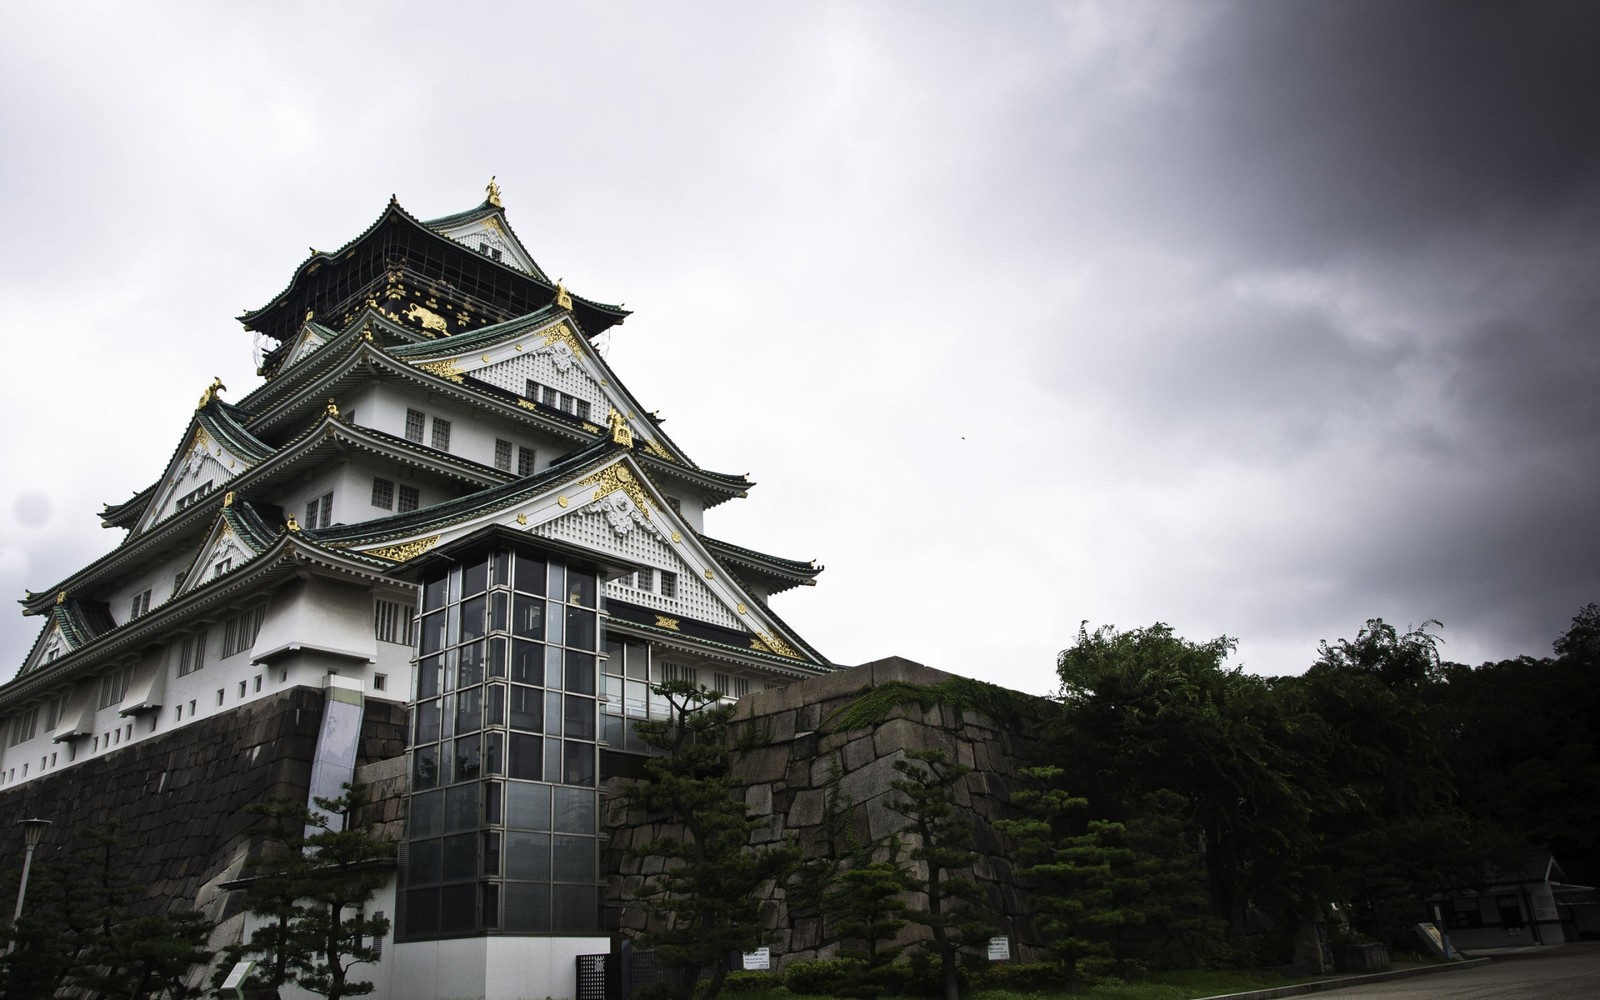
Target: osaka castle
(439, 545)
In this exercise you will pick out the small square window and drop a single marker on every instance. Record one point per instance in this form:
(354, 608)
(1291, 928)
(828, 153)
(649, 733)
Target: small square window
(441, 434)
(525, 461)
(415, 421)
(258, 682)
(669, 583)
(242, 688)
(380, 682)
(502, 455)
(219, 696)
(383, 493)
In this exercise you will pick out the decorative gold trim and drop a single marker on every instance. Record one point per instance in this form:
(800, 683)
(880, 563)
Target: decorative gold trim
(448, 368)
(215, 387)
(291, 524)
(527, 405)
(522, 519)
(759, 646)
(492, 192)
(562, 333)
(620, 433)
(485, 358)
(227, 499)
(676, 538)
(333, 408)
(562, 501)
(741, 608)
(429, 319)
(61, 597)
(778, 646)
(405, 550)
(591, 428)
(493, 223)
(563, 300)
(616, 477)
(710, 575)
(662, 621)
(654, 448)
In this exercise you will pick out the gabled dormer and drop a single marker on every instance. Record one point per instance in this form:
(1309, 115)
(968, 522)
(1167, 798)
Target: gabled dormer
(485, 230)
(215, 449)
(70, 624)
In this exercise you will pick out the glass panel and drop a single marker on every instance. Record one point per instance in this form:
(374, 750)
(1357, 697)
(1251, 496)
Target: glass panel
(499, 612)
(574, 860)
(494, 753)
(433, 593)
(616, 656)
(422, 912)
(527, 662)
(494, 706)
(461, 808)
(525, 758)
(430, 638)
(427, 815)
(552, 713)
(527, 617)
(455, 584)
(552, 761)
(636, 700)
(580, 763)
(528, 856)
(491, 802)
(469, 670)
(580, 628)
(530, 574)
(460, 857)
(574, 810)
(553, 659)
(425, 767)
(430, 676)
(472, 617)
(577, 909)
(427, 722)
(527, 709)
(579, 723)
(527, 907)
(458, 908)
(501, 572)
(558, 574)
(554, 621)
(580, 672)
(426, 862)
(452, 629)
(491, 854)
(468, 758)
(447, 716)
(527, 806)
(613, 693)
(580, 588)
(474, 578)
(469, 710)
(638, 662)
(497, 657)
(611, 730)
(491, 905)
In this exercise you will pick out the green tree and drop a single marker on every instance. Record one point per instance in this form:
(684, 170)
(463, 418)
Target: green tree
(321, 868)
(866, 902)
(708, 897)
(955, 916)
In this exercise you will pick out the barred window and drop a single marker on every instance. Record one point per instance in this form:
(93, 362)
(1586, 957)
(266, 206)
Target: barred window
(383, 493)
(441, 434)
(680, 672)
(319, 511)
(24, 725)
(645, 579)
(502, 455)
(189, 498)
(391, 622)
(192, 654)
(669, 583)
(415, 419)
(141, 604)
(525, 458)
(114, 686)
(239, 634)
(409, 498)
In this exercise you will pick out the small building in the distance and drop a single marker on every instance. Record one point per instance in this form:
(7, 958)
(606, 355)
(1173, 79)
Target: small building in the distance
(440, 545)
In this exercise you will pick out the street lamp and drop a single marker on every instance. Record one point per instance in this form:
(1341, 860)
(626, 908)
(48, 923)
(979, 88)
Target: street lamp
(32, 832)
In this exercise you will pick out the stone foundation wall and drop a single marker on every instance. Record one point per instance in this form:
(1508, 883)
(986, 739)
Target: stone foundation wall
(179, 798)
(812, 782)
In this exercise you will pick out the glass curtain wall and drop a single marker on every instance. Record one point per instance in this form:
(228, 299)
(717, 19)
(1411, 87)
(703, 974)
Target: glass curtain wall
(503, 820)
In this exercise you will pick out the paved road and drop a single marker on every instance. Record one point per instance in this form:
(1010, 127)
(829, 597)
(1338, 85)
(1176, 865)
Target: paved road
(1568, 973)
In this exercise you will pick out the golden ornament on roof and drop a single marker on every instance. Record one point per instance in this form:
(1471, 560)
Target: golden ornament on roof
(494, 194)
(620, 434)
(215, 387)
(563, 300)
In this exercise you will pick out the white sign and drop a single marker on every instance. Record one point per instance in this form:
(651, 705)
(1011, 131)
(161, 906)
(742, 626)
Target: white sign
(999, 949)
(761, 958)
(236, 977)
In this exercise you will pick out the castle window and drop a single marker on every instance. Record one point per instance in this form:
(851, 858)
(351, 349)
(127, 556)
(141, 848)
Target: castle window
(502, 455)
(113, 687)
(141, 604)
(54, 709)
(189, 498)
(409, 498)
(525, 459)
(415, 420)
(669, 583)
(383, 493)
(391, 622)
(23, 726)
(239, 634)
(319, 511)
(191, 655)
(441, 434)
(645, 579)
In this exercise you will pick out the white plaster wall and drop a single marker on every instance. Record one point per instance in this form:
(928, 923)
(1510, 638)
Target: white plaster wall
(318, 614)
(489, 968)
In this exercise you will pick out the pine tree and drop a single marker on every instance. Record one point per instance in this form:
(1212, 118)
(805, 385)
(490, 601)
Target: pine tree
(866, 902)
(707, 898)
(955, 916)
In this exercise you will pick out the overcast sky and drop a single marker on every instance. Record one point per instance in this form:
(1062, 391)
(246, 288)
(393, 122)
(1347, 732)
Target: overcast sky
(1259, 319)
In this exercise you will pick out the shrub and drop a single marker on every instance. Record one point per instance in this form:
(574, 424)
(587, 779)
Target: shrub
(751, 982)
(823, 977)
(1023, 977)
